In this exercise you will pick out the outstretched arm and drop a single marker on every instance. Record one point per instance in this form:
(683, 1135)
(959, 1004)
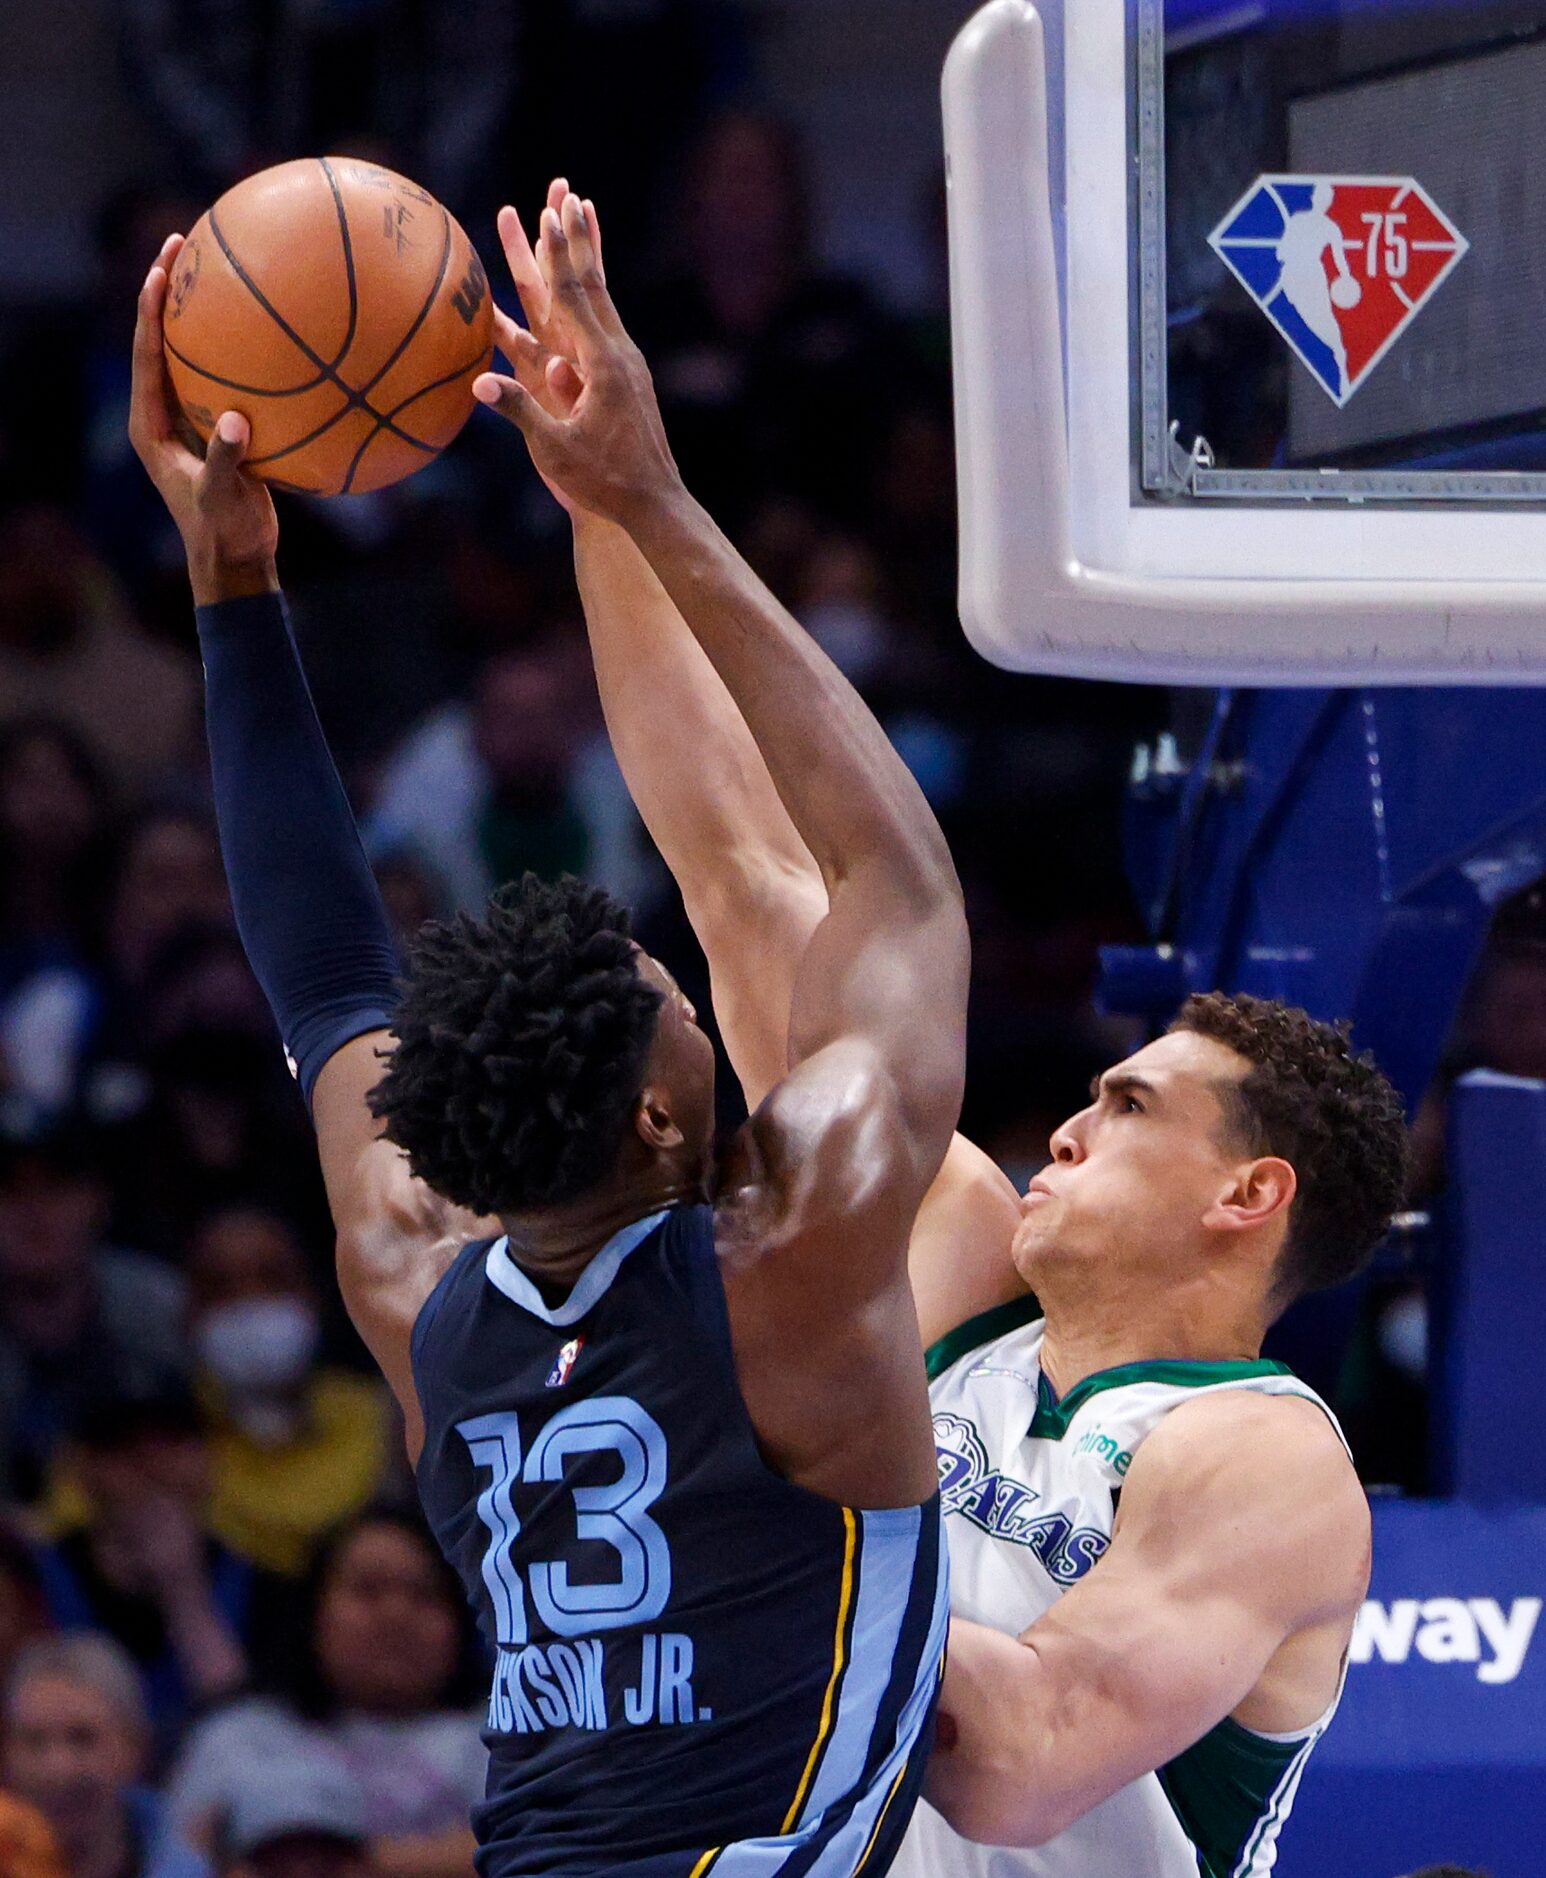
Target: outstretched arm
(752, 891)
(306, 904)
(894, 903)
(818, 1196)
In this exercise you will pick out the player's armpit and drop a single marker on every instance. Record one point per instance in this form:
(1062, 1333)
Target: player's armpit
(958, 1259)
(395, 1237)
(1243, 1529)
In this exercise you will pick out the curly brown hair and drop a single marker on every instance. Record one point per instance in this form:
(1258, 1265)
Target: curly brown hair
(1326, 1109)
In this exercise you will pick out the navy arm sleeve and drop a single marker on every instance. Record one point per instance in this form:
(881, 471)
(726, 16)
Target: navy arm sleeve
(307, 905)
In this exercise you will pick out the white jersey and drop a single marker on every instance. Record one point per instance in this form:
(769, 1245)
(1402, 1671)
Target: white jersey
(1030, 1487)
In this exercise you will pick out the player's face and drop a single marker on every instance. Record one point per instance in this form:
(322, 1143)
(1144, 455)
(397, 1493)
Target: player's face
(682, 1060)
(1133, 1174)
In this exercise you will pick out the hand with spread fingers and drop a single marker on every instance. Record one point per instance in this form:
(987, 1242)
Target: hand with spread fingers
(226, 520)
(581, 394)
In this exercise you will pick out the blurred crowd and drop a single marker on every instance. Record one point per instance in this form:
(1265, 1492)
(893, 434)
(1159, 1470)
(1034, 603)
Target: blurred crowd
(226, 1644)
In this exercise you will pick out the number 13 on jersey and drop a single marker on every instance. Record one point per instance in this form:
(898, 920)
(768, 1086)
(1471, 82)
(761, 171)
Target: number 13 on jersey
(615, 1514)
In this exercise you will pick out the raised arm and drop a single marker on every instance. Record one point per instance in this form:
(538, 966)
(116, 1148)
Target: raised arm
(752, 891)
(1240, 1558)
(894, 903)
(306, 904)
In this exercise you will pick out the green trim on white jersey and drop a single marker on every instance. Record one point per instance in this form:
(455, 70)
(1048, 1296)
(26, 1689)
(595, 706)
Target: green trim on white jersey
(1054, 1415)
(1030, 1485)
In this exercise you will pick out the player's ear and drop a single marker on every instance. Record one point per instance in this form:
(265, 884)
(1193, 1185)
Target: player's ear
(653, 1121)
(1258, 1191)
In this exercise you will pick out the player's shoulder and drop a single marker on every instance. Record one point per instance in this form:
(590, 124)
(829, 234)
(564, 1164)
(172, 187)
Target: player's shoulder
(1277, 1458)
(1264, 1483)
(822, 1144)
(1286, 1434)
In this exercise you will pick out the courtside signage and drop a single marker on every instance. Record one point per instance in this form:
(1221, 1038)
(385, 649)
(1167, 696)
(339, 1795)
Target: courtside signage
(1493, 1638)
(1341, 265)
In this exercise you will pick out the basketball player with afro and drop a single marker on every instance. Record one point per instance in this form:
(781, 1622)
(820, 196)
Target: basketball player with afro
(1158, 1542)
(669, 1413)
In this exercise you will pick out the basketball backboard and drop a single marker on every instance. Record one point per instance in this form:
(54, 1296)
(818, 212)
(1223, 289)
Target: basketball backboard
(1247, 303)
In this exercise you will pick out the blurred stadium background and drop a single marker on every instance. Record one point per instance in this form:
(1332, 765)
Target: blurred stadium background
(210, 1570)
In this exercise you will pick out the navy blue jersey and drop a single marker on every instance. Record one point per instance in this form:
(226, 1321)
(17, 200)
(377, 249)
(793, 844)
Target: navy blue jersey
(700, 1667)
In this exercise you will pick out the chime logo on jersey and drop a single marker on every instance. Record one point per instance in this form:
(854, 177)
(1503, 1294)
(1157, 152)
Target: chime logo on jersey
(1341, 265)
(558, 1375)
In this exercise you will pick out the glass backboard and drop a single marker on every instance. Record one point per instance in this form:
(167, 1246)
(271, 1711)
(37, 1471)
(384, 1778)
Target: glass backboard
(1342, 219)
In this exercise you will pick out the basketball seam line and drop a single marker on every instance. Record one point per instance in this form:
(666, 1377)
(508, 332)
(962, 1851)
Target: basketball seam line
(294, 391)
(356, 400)
(407, 340)
(343, 231)
(327, 424)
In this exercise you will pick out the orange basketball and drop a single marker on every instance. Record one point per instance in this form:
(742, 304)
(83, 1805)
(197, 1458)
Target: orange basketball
(342, 311)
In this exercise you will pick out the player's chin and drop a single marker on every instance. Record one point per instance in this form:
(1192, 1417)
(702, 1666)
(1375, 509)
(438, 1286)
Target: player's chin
(1029, 1248)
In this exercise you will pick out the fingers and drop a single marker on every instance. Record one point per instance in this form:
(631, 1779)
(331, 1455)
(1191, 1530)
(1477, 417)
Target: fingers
(569, 263)
(513, 401)
(150, 412)
(595, 235)
(153, 409)
(532, 289)
(586, 253)
(526, 353)
(549, 377)
(223, 459)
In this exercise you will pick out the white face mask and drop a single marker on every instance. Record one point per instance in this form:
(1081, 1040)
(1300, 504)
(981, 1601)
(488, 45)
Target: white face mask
(258, 1346)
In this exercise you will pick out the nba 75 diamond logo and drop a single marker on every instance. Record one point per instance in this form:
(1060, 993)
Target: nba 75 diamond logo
(1341, 265)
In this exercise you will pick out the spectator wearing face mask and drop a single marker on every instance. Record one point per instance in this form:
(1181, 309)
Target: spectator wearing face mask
(297, 1818)
(77, 1745)
(297, 1447)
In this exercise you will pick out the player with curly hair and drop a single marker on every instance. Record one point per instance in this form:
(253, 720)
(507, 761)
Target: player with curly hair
(668, 1407)
(1158, 1541)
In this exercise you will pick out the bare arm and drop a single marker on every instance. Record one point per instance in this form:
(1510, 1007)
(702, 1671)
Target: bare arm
(818, 1196)
(853, 803)
(752, 890)
(1239, 1562)
(396, 1236)
(753, 893)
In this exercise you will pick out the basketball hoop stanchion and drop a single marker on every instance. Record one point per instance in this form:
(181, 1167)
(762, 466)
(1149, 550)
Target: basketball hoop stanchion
(1066, 566)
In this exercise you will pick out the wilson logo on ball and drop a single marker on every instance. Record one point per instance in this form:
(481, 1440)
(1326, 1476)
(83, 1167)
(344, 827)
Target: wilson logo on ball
(1341, 265)
(472, 292)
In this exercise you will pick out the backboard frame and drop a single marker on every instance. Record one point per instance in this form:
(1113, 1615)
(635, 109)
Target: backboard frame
(1066, 567)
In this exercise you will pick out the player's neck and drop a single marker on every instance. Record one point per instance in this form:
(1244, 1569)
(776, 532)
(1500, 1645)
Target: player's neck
(556, 1244)
(1186, 1325)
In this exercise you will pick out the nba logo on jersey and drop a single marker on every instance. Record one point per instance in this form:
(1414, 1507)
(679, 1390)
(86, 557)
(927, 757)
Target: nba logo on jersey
(558, 1375)
(1341, 265)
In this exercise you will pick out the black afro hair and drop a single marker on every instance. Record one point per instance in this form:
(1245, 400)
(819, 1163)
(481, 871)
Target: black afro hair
(522, 1040)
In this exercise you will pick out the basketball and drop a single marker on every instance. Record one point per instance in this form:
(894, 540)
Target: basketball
(342, 311)
(1345, 292)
